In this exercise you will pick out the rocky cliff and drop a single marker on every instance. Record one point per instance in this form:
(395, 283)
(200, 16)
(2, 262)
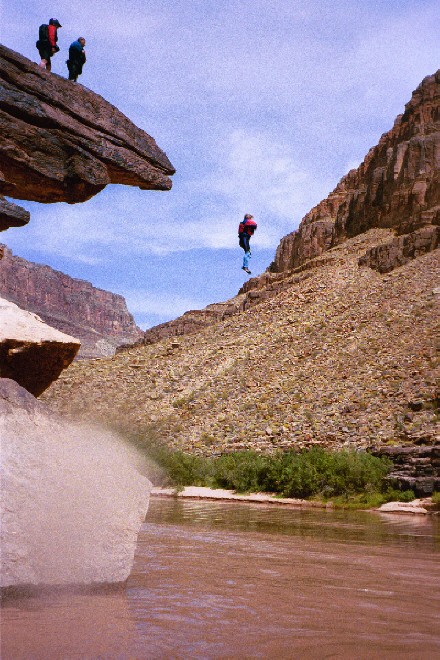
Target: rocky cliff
(98, 318)
(341, 356)
(61, 142)
(32, 353)
(397, 187)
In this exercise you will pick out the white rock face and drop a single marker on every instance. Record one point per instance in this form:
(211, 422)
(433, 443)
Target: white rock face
(403, 507)
(31, 352)
(72, 497)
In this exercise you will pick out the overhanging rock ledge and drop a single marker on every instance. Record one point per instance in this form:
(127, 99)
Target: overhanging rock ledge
(61, 142)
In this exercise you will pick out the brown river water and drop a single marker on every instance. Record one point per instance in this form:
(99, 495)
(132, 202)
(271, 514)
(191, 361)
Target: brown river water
(239, 580)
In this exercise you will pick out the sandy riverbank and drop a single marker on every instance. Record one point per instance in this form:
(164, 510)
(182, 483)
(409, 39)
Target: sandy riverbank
(418, 506)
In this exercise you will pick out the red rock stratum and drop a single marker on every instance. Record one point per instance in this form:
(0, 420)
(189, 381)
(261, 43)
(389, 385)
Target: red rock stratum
(98, 318)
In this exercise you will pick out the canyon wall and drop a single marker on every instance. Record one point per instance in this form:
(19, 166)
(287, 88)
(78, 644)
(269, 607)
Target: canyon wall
(98, 318)
(397, 187)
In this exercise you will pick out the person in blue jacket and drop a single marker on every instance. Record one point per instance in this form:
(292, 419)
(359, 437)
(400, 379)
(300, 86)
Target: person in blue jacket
(246, 229)
(77, 58)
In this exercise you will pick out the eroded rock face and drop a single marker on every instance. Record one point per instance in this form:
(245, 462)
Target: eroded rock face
(98, 318)
(396, 187)
(32, 353)
(73, 499)
(415, 468)
(400, 250)
(61, 142)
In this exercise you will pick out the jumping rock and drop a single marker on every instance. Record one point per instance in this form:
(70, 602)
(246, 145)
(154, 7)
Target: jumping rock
(61, 142)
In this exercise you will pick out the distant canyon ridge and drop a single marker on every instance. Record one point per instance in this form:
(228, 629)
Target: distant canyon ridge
(99, 319)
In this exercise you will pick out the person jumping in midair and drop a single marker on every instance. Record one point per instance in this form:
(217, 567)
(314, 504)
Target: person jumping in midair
(246, 229)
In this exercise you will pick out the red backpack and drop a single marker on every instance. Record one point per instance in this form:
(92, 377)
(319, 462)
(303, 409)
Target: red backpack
(247, 227)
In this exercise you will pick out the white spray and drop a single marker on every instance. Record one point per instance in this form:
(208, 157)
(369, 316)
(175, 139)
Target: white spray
(72, 501)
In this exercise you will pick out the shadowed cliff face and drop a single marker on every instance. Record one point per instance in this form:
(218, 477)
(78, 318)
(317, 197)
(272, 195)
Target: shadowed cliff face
(396, 187)
(61, 142)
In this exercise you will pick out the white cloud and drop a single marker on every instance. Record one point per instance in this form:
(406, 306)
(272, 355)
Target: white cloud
(257, 175)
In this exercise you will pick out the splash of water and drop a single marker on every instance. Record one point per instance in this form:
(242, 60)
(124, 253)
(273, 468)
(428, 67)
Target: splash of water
(72, 501)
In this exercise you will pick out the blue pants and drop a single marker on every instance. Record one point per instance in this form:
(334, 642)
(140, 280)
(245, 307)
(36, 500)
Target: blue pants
(245, 244)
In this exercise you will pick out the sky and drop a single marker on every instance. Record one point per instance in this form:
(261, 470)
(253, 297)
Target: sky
(261, 105)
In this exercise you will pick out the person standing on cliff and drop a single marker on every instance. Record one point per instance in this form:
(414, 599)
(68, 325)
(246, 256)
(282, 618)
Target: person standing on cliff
(77, 58)
(246, 229)
(47, 42)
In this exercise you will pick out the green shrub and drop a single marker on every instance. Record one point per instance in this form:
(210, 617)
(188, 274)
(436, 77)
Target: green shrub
(404, 496)
(242, 471)
(326, 473)
(180, 469)
(436, 498)
(305, 474)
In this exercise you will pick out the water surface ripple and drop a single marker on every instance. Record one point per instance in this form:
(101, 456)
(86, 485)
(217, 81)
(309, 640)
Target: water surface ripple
(235, 580)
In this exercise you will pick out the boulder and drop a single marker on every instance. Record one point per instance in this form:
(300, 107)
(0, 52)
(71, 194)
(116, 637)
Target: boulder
(32, 353)
(12, 215)
(73, 498)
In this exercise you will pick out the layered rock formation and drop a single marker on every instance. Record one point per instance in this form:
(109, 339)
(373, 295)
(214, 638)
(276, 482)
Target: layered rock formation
(72, 499)
(98, 318)
(397, 186)
(32, 353)
(63, 143)
(416, 468)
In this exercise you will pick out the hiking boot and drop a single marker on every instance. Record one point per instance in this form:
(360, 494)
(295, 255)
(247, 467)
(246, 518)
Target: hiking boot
(246, 270)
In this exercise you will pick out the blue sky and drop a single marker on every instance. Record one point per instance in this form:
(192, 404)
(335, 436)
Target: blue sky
(261, 105)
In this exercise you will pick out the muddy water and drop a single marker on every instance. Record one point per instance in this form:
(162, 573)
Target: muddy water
(233, 580)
